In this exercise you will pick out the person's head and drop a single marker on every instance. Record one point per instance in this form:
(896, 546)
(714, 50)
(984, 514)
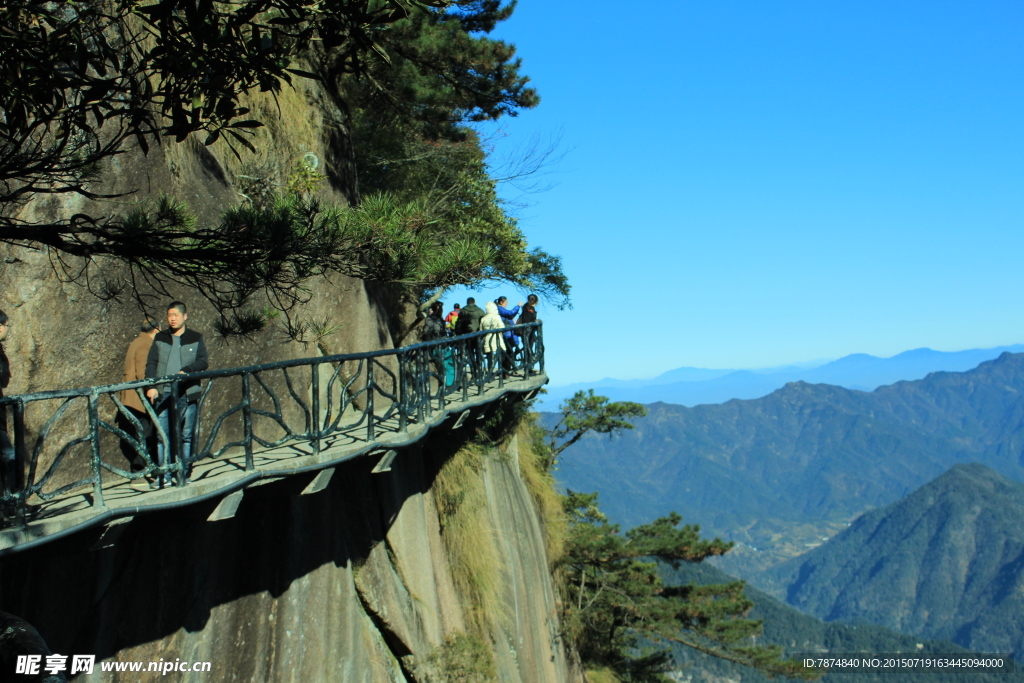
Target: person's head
(4, 326)
(491, 308)
(177, 314)
(457, 307)
(501, 300)
(437, 308)
(532, 299)
(149, 326)
(470, 300)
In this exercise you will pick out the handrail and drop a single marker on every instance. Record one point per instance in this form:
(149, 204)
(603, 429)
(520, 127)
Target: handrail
(383, 391)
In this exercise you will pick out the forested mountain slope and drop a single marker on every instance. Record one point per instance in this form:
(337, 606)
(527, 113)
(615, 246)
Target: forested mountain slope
(945, 562)
(800, 633)
(786, 469)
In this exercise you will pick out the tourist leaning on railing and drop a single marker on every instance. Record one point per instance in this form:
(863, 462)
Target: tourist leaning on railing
(176, 351)
(529, 315)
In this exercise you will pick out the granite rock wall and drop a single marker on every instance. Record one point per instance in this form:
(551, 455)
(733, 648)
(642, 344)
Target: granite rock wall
(349, 584)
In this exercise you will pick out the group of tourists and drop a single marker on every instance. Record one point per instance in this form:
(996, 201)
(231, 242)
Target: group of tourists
(491, 350)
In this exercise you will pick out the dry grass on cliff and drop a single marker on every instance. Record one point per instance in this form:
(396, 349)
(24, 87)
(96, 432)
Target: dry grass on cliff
(541, 486)
(468, 536)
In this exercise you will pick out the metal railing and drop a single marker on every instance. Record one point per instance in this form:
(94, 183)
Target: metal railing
(66, 440)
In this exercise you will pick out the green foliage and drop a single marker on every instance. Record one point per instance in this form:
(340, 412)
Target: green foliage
(616, 598)
(584, 412)
(303, 179)
(444, 70)
(464, 658)
(451, 180)
(411, 141)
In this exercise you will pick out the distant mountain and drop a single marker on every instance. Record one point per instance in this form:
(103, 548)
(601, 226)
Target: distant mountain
(799, 633)
(780, 472)
(696, 386)
(945, 562)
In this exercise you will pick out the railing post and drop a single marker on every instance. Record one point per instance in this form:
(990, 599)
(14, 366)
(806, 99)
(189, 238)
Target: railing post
(314, 423)
(526, 338)
(174, 426)
(426, 365)
(247, 422)
(465, 376)
(20, 486)
(503, 362)
(370, 432)
(483, 374)
(403, 392)
(540, 347)
(94, 432)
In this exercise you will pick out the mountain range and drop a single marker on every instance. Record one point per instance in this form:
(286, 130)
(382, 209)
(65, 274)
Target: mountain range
(783, 472)
(946, 562)
(695, 386)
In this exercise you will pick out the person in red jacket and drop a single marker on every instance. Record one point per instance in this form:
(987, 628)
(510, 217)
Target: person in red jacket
(451, 318)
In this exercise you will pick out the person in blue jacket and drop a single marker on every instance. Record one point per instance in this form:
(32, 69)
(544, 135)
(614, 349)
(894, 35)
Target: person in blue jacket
(508, 316)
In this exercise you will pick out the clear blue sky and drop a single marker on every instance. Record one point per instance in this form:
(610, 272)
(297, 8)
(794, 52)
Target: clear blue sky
(749, 184)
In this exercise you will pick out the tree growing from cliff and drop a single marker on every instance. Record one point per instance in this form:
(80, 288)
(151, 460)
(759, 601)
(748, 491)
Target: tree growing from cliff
(618, 612)
(618, 606)
(585, 412)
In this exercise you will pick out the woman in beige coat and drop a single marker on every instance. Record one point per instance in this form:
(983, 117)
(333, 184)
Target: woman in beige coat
(493, 343)
(135, 368)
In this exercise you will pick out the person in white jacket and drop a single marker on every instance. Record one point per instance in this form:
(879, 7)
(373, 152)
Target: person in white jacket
(493, 343)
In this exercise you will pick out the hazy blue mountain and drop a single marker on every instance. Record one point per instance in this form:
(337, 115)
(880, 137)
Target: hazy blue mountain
(695, 386)
(945, 562)
(781, 471)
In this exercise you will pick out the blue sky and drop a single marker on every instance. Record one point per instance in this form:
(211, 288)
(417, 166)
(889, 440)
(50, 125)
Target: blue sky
(752, 184)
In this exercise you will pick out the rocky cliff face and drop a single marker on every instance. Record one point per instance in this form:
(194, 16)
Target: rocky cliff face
(68, 332)
(355, 583)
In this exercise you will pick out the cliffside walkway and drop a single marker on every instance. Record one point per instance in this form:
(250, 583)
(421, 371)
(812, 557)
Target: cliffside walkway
(254, 424)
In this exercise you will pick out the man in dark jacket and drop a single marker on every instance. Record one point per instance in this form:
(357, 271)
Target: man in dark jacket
(469, 321)
(176, 351)
(469, 318)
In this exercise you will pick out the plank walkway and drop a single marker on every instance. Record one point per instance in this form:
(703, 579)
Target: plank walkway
(224, 476)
